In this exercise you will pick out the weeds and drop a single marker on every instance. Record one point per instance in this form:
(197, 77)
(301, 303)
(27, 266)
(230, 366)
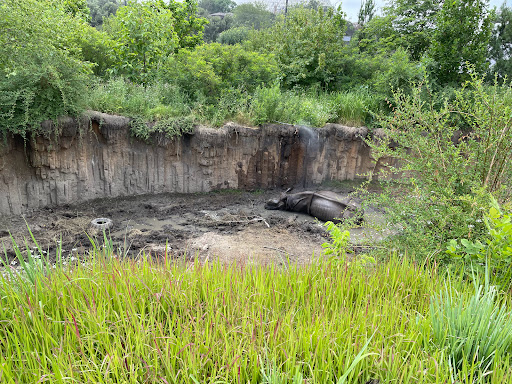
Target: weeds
(165, 105)
(476, 332)
(123, 320)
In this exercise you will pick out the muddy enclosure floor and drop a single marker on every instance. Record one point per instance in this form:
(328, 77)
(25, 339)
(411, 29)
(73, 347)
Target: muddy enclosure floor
(228, 225)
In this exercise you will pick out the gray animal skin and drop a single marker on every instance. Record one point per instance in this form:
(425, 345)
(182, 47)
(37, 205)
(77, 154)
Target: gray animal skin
(324, 205)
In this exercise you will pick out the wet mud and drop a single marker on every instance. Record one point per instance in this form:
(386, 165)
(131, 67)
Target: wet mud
(228, 225)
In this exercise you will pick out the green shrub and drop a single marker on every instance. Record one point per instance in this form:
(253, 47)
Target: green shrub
(166, 128)
(445, 181)
(42, 75)
(211, 68)
(492, 251)
(233, 36)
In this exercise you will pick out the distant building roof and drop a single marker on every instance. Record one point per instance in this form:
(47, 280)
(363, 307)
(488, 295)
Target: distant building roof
(221, 14)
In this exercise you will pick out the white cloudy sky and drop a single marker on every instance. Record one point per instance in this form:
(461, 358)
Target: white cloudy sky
(351, 7)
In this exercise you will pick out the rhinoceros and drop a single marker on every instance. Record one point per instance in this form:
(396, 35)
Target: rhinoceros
(324, 205)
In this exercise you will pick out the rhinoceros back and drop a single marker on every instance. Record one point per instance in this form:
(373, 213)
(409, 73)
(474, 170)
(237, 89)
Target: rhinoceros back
(329, 206)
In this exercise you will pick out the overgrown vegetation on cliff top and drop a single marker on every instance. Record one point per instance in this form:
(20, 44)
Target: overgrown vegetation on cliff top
(120, 320)
(49, 65)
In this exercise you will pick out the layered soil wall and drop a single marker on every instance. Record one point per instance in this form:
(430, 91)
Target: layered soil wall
(95, 157)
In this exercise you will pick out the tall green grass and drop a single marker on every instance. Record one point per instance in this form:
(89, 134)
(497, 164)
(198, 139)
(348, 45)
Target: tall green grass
(119, 320)
(266, 105)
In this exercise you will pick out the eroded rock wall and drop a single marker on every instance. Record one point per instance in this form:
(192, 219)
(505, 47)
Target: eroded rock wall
(102, 160)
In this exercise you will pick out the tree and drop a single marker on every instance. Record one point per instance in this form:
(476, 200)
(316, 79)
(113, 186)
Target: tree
(454, 44)
(307, 45)
(101, 9)
(366, 12)
(378, 35)
(501, 44)
(188, 24)
(144, 37)
(253, 15)
(216, 6)
(215, 25)
(77, 8)
(414, 21)
(233, 36)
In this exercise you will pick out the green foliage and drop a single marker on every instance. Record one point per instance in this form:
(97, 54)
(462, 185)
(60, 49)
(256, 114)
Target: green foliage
(253, 16)
(475, 332)
(233, 36)
(339, 241)
(487, 113)
(445, 180)
(500, 47)
(77, 8)
(377, 36)
(454, 44)
(414, 22)
(153, 102)
(356, 108)
(42, 75)
(215, 26)
(492, 250)
(366, 12)
(101, 9)
(271, 104)
(188, 25)
(307, 45)
(216, 6)
(144, 37)
(395, 71)
(212, 68)
(167, 128)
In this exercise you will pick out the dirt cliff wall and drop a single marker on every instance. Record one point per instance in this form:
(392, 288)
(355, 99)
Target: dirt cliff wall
(102, 160)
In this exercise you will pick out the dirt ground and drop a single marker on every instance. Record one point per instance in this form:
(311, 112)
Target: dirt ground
(229, 225)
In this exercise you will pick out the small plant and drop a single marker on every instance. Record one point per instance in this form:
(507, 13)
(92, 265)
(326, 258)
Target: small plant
(338, 247)
(494, 251)
(477, 332)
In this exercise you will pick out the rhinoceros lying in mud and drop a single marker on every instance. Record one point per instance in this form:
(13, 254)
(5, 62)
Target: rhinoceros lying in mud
(324, 205)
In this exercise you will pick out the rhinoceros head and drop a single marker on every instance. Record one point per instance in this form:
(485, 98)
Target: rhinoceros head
(277, 203)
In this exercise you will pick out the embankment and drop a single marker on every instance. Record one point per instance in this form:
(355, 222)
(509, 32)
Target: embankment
(95, 157)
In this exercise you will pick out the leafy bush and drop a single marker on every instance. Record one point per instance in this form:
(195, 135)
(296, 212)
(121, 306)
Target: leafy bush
(446, 174)
(494, 253)
(167, 128)
(211, 68)
(42, 75)
(233, 36)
